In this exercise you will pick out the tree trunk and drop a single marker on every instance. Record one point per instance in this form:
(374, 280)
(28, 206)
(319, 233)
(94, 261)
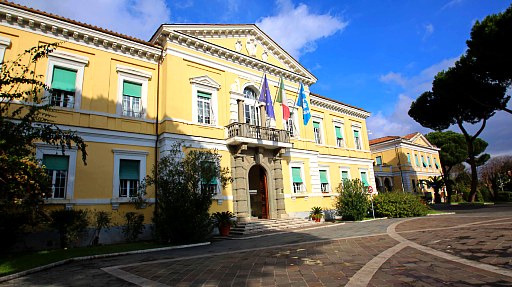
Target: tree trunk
(447, 182)
(471, 156)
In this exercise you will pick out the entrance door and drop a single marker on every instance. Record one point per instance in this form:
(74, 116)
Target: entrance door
(258, 192)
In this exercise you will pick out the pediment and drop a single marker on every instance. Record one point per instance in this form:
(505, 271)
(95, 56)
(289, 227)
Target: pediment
(205, 81)
(244, 40)
(420, 139)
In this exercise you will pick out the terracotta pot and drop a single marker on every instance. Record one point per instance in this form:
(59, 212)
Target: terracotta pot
(317, 219)
(224, 230)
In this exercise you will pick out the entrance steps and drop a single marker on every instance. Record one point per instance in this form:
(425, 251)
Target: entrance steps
(270, 225)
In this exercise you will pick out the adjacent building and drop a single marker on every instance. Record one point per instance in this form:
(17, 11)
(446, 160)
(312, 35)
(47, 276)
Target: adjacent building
(402, 162)
(198, 84)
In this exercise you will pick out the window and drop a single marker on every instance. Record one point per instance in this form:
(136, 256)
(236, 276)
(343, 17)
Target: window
(344, 175)
(61, 169)
(290, 126)
(408, 158)
(364, 178)
(57, 169)
(132, 93)
(324, 181)
(435, 163)
(129, 176)
(378, 160)
(129, 170)
(339, 136)
(423, 161)
(63, 87)
(251, 107)
(211, 187)
(428, 161)
(298, 184)
(417, 160)
(4, 44)
(357, 139)
(414, 185)
(65, 77)
(204, 115)
(318, 132)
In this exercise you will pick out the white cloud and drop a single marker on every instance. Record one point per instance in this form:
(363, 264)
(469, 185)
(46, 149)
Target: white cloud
(137, 18)
(429, 30)
(296, 29)
(452, 4)
(393, 77)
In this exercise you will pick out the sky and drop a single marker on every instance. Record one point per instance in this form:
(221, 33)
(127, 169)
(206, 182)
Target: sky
(378, 55)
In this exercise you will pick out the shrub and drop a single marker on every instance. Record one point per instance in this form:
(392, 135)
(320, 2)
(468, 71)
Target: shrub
(70, 224)
(134, 226)
(399, 204)
(102, 220)
(504, 196)
(352, 203)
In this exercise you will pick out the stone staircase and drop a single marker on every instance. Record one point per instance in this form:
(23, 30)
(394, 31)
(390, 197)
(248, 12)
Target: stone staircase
(270, 225)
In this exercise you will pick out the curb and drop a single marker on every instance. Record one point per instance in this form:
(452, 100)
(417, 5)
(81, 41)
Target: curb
(281, 232)
(83, 258)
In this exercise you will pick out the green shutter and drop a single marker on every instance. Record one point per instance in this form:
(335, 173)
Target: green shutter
(338, 132)
(417, 161)
(378, 160)
(428, 161)
(132, 89)
(409, 158)
(435, 162)
(344, 175)
(204, 95)
(63, 79)
(296, 175)
(323, 176)
(56, 162)
(129, 169)
(316, 125)
(356, 134)
(423, 161)
(364, 179)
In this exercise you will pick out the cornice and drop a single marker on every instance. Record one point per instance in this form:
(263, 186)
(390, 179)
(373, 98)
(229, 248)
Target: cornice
(51, 27)
(184, 38)
(339, 108)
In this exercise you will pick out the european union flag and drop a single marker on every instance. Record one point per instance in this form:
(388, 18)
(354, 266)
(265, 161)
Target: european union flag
(302, 102)
(265, 97)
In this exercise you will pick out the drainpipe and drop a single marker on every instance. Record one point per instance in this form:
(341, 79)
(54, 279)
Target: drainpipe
(156, 128)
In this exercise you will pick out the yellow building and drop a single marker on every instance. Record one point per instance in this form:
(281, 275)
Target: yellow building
(401, 162)
(199, 84)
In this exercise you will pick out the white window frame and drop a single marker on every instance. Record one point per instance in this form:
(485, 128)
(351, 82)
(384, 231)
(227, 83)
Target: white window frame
(46, 149)
(69, 61)
(4, 44)
(303, 186)
(137, 76)
(357, 128)
(340, 124)
(326, 168)
(120, 154)
(342, 169)
(320, 121)
(206, 85)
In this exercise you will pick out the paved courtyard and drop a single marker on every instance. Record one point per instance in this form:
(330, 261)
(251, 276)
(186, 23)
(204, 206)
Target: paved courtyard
(469, 248)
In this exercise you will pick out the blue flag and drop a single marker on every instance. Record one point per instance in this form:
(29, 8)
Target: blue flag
(265, 97)
(302, 102)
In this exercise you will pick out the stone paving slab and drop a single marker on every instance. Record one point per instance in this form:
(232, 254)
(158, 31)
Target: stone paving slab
(410, 267)
(323, 264)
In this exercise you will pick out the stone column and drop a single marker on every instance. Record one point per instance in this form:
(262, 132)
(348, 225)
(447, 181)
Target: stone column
(240, 111)
(263, 115)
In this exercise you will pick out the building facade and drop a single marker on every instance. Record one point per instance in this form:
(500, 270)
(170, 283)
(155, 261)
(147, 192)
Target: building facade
(197, 84)
(402, 162)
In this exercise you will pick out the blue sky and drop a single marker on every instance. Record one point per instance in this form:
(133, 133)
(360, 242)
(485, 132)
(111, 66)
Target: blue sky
(377, 55)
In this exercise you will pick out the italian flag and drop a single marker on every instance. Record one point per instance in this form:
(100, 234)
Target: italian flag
(281, 98)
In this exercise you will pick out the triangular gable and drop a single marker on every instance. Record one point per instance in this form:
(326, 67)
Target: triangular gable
(420, 139)
(245, 39)
(205, 81)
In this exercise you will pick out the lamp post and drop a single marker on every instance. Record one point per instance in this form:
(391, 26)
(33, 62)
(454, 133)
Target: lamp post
(400, 167)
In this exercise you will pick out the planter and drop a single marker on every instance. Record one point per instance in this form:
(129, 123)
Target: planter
(317, 219)
(224, 230)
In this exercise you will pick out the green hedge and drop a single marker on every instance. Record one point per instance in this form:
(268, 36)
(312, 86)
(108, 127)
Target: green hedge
(352, 203)
(399, 204)
(504, 196)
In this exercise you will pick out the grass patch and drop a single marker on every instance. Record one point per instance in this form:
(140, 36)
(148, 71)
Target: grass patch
(16, 262)
(433, 211)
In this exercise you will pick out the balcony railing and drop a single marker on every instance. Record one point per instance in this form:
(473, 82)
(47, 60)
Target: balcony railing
(242, 130)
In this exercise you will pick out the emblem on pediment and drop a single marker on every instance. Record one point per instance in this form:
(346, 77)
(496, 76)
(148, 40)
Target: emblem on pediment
(264, 56)
(252, 46)
(238, 45)
(235, 87)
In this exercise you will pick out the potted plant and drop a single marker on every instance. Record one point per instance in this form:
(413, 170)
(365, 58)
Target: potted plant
(224, 221)
(316, 213)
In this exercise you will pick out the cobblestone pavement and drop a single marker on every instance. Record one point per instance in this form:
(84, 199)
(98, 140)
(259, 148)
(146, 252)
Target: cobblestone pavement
(471, 248)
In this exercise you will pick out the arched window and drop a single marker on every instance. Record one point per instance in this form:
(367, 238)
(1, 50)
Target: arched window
(251, 107)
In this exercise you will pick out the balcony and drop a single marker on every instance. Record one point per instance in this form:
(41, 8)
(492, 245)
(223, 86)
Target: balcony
(241, 133)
